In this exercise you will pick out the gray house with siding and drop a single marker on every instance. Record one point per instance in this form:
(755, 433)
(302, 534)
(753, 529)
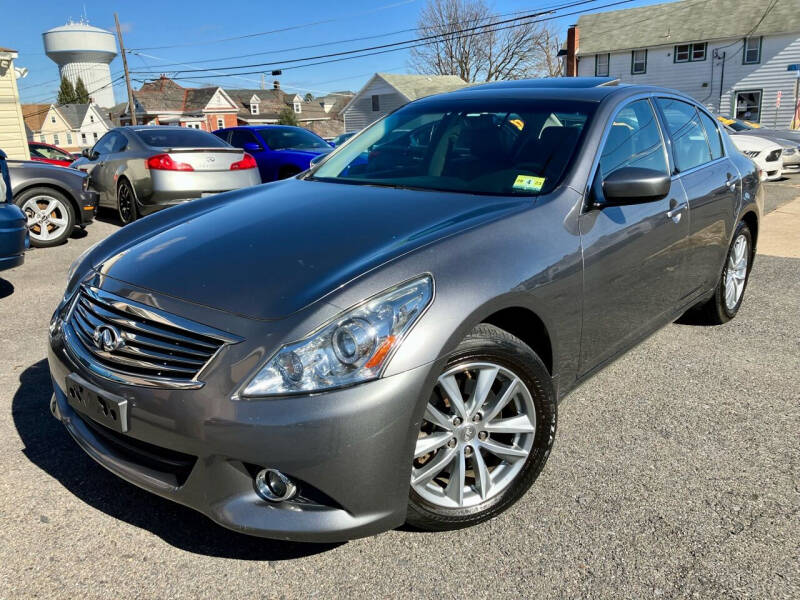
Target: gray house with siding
(731, 55)
(385, 92)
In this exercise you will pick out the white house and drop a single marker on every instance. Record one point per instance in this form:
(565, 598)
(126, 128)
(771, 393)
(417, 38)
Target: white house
(12, 126)
(72, 127)
(732, 56)
(385, 92)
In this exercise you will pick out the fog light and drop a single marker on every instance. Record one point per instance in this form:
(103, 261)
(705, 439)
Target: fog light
(274, 486)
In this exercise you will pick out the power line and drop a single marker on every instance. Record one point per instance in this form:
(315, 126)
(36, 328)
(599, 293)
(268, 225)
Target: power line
(280, 30)
(437, 37)
(387, 48)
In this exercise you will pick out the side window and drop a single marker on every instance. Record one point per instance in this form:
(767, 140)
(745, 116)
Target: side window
(634, 141)
(105, 144)
(119, 143)
(225, 136)
(240, 137)
(712, 133)
(688, 138)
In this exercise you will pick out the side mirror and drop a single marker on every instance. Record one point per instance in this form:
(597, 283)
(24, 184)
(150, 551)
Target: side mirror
(634, 185)
(5, 180)
(252, 147)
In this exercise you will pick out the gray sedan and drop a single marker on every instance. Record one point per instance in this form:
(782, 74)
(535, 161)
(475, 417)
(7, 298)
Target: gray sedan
(386, 338)
(139, 170)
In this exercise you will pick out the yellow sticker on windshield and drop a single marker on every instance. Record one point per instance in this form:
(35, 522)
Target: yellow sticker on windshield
(529, 183)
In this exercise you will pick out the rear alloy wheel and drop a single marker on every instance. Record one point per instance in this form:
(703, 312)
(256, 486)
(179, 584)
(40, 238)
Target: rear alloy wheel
(49, 214)
(126, 203)
(485, 435)
(729, 293)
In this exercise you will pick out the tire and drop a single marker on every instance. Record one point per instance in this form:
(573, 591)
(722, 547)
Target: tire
(435, 505)
(726, 301)
(127, 209)
(286, 172)
(51, 217)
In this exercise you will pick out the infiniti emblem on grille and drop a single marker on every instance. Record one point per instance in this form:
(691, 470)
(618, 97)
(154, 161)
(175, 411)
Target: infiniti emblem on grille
(108, 338)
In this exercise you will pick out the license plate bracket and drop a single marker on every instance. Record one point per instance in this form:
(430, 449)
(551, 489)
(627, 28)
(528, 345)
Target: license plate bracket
(107, 409)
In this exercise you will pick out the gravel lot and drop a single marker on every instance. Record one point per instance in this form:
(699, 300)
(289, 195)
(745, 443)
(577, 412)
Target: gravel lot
(676, 473)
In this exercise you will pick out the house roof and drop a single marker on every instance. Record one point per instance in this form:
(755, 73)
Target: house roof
(34, 115)
(684, 21)
(74, 114)
(419, 86)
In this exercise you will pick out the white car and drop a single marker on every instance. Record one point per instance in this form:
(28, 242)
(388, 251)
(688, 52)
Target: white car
(765, 153)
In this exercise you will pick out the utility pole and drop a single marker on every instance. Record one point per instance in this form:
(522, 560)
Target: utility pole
(131, 103)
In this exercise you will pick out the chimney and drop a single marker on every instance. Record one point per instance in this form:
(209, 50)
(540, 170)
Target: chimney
(573, 37)
(276, 85)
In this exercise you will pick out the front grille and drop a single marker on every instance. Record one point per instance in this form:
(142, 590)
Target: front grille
(144, 345)
(167, 462)
(752, 153)
(774, 155)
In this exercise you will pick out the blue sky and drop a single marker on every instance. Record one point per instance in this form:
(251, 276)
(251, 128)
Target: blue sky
(196, 35)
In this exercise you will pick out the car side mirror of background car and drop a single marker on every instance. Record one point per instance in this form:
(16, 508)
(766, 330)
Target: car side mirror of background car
(633, 185)
(252, 147)
(86, 153)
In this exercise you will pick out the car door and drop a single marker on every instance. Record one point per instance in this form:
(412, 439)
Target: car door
(241, 137)
(633, 255)
(101, 171)
(712, 184)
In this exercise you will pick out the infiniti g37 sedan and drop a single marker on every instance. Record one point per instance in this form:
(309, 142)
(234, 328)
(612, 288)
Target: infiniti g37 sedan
(386, 337)
(139, 170)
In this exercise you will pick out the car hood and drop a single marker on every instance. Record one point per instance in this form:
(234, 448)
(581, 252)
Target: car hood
(269, 251)
(786, 134)
(752, 142)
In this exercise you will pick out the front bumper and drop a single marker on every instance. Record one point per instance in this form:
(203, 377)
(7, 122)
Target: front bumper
(349, 450)
(87, 206)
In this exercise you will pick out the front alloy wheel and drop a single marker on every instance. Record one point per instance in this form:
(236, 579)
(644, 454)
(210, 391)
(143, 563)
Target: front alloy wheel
(49, 215)
(485, 434)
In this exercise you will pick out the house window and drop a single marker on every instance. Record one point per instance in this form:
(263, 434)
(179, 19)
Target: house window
(690, 52)
(601, 64)
(95, 136)
(83, 139)
(297, 107)
(220, 122)
(42, 139)
(52, 118)
(752, 51)
(748, 105)
(91, 118)
(55, 139)
(254, 109)
(69, 139)
(638, 62)
(376, 103)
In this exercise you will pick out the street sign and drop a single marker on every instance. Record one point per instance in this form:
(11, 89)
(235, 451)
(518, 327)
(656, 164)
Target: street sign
(793, 67)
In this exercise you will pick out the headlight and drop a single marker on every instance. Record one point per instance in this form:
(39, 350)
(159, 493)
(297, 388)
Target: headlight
(351, 348)
(76, 263)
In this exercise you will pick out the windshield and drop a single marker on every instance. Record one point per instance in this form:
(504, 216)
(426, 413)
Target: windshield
(474, 146)
(285, 138)
(160, 137)
(739, 126)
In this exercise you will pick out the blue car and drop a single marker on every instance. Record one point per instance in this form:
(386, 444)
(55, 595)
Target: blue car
(280, 151)
(13, 224)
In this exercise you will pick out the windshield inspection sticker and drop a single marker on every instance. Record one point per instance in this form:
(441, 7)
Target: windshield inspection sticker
(529, 183)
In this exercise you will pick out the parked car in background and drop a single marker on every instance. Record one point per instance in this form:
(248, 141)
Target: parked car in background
(52, 155)
(767, 154)
(55, 200)
(747, 128)
(139, 170)
(280, 151)
(13, 231)
(378, 341)
(341, 139)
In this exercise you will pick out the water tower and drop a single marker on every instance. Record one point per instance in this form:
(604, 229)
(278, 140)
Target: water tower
(81, 50)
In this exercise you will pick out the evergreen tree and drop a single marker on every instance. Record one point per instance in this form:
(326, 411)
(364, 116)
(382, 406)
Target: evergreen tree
(308, 97)
(81, 93)
(287, 117)
(66, 92)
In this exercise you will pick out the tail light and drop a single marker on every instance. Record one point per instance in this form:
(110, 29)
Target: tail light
(248, 162)
(164, 162)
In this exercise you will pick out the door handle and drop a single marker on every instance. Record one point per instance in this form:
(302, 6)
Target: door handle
(676, 212)
(731, 182)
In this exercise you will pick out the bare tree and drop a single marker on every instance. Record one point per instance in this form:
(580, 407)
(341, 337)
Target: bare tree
(486, 51)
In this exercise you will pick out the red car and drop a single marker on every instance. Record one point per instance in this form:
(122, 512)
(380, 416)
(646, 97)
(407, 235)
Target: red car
(52, 155)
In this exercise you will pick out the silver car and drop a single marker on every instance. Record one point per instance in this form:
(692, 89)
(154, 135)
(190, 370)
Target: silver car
(139, 170)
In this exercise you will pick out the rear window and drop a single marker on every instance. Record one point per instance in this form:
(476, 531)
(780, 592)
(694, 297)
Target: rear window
(179, 138)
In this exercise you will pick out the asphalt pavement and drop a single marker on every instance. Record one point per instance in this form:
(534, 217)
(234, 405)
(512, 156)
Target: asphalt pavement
(675, 473)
